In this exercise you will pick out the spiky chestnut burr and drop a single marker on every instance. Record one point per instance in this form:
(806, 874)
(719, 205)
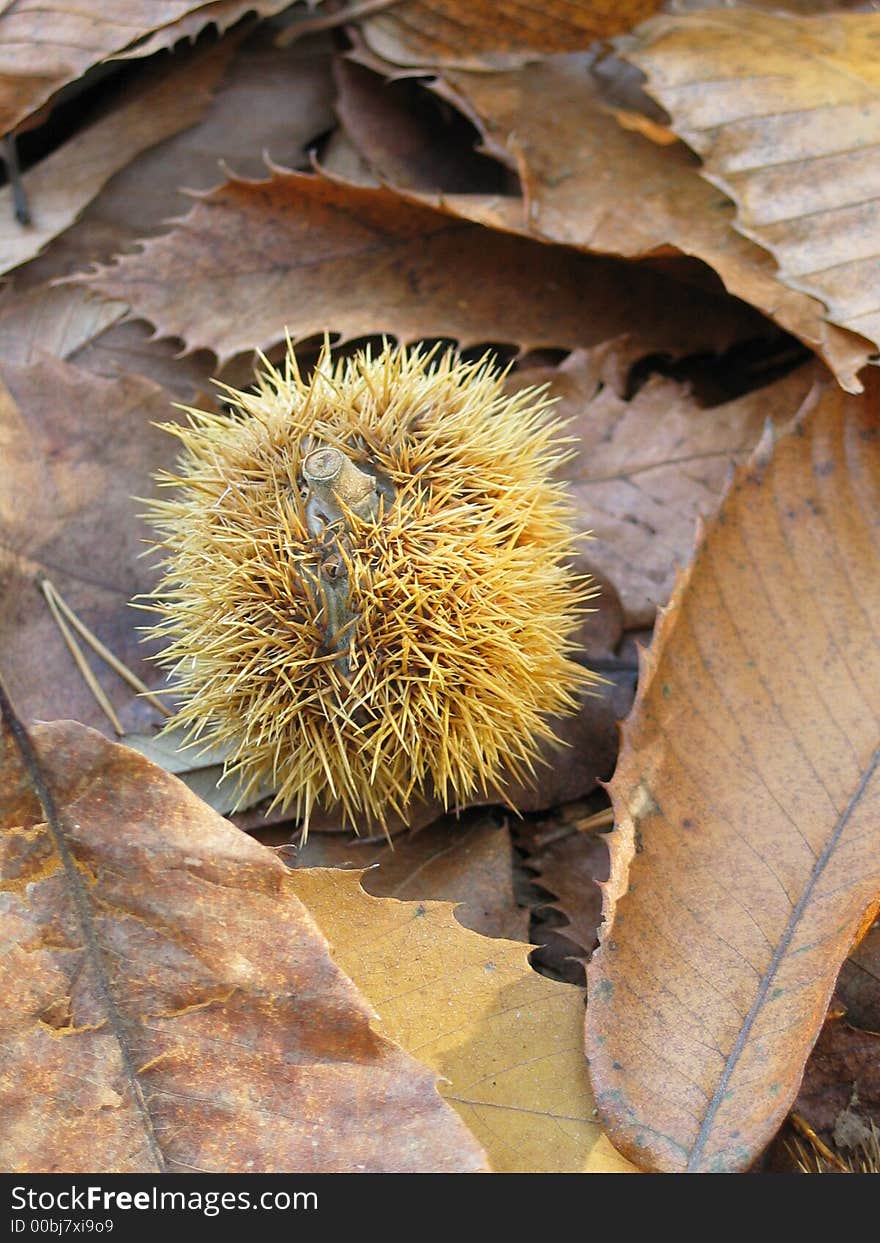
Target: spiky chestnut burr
(366, 594)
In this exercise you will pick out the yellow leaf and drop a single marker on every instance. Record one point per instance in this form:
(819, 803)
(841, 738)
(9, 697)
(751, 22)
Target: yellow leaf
(508, 1041)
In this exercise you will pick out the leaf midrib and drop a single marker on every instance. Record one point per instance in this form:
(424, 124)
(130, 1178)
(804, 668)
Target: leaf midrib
(91, 941)
(779, 953)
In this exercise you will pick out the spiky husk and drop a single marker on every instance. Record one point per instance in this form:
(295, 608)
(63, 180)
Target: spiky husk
(460, 609)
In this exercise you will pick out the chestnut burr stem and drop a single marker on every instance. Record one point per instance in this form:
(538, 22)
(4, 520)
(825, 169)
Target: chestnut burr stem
(334, 480)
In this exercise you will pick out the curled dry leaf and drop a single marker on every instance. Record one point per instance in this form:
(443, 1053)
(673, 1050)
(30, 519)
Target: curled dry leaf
(644, 470)
(746, 798)
(43, 49)
(219, 14)
(582, 173)
(406, 138)
(204, 1024)
(270, 100)
(506, 1040)
(317, 255)
(75, 450)
(785, 112)
(494, 34)
(60, 186)
(571, 865)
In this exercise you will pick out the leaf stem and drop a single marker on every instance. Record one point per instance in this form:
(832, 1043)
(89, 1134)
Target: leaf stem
(81, 663)
(20, 208)
(50, 591)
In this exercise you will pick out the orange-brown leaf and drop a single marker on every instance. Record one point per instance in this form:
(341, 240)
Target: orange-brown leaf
(169, 1003)
(747, 801)
(785, 111)
(492, 34)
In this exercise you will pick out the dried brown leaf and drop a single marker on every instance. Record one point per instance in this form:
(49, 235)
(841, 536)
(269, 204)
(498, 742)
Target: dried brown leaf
(200, 769)
(342, 160)
(785, 112)
(60, 186)
(840, 1093)
(644, 470)
(571, 866)
(75, 450)
(506, 1040)
(858, 985)
(219, 14)
(51, 320)
(171, 1005)
(494, 34)
(310, 254)
(128, 347)
(271, 100)
(588, 182)
(745, 851)
(43, 49)
(470, 864)
(399, 130)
